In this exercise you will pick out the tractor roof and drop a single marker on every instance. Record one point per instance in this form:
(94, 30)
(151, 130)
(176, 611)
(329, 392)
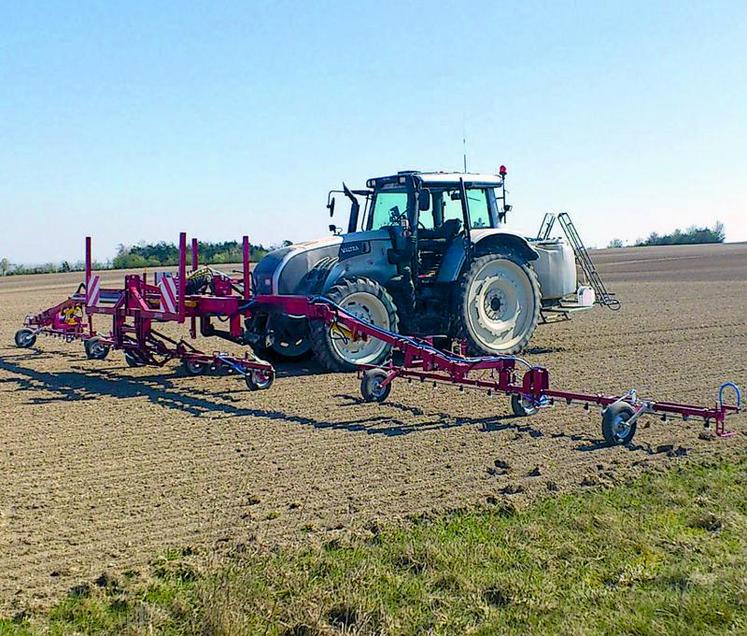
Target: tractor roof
(441, 178)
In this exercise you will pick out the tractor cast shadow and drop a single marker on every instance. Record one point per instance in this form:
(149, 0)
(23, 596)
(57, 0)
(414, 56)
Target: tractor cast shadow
(87, 383)
(92, 384)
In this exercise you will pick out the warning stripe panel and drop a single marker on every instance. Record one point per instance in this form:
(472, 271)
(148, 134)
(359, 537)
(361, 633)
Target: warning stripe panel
(168, 294)
(93, 291)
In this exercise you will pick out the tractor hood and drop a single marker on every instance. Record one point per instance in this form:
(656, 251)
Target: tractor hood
(282, 270)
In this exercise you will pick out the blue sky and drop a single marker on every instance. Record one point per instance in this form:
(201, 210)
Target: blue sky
(132, 121)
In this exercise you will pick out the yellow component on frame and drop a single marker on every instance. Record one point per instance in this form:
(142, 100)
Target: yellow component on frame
(72, 315)
(336, 330)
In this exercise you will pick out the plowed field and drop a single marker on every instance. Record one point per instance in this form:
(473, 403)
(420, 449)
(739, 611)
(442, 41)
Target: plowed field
(103, 466)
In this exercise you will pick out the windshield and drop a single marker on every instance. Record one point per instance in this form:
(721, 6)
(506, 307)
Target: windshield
(389, 207)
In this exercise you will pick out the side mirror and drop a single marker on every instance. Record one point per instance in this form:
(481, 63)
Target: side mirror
(424, 200)
(331, 207)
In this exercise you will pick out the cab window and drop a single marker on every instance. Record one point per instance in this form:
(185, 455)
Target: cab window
(479, 215)
(479, 212)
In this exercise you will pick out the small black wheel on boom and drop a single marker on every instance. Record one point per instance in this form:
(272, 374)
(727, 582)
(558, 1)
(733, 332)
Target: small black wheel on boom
(192, 367)
(259, 380)
(522, 407)
(615, 426)
(25, 338)
(95, 348)
(372, 388)
(132, 359)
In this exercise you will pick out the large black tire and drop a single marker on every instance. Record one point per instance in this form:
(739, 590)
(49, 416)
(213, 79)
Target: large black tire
(615, 427)
(369, 301)
(291, 337)
(498, 304)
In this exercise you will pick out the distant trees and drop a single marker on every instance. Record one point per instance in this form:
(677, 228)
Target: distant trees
(614, 243)
(692, 236)
(157, 254)
(146, 255)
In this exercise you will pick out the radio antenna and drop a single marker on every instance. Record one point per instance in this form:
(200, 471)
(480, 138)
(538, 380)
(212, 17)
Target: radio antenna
(464, 143)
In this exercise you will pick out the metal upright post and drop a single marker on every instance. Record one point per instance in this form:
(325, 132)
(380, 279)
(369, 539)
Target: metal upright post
(247, 272)
(88, 282)
(182, 274)
(195, 265)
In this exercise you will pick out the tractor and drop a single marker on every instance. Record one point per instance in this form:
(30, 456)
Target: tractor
(427, 254)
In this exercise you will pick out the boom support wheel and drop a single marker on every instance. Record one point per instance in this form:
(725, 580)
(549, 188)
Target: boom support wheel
(192, 367)
(95, 348)
(259, 380)
(373, 388)
(616, 427)
(522, 407)
(25, 338)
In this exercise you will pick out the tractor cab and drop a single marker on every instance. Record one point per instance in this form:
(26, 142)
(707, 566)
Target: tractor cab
(429, 216)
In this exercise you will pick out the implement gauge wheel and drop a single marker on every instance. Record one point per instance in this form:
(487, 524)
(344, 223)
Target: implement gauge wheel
(95, 349)
(133, 360)
(258, 380)
(615, 426)
(192, 367)
(372, 388)
(522, 407)
(25, 338)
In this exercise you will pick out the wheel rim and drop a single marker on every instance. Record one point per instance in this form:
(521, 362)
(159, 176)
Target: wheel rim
(621, 426)
(500, 305)
(98, 350)
(24, 338)
(375, 386)
(367, 308)
(261, 379)
(530, 408)
(292, 340)
(195, 368)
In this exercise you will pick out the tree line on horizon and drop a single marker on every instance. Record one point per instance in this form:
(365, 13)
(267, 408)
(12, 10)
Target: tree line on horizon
(148, 255)
(691, 236)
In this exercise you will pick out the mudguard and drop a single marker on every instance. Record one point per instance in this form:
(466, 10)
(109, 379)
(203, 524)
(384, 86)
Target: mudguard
(485, 241)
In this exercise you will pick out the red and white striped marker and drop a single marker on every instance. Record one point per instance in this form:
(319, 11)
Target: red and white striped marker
(93, 291)
(168, 294)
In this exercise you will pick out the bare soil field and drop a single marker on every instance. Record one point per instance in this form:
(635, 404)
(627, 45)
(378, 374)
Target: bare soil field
(104, 466)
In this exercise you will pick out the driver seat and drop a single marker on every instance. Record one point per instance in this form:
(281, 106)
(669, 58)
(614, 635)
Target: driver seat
(432, 245)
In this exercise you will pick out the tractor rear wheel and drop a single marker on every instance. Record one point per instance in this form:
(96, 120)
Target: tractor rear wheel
(498, 304)
(370, 302)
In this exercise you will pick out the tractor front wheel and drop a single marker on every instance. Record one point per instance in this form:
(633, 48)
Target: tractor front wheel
(368, 301)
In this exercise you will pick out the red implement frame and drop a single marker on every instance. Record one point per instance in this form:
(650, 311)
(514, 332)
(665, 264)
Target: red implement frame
(135, 308)
(424, 362)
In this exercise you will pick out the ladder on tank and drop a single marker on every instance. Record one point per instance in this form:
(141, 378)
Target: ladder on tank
(603, 295)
